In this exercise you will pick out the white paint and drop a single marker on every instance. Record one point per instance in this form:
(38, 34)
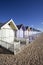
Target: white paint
(16, 47)
(20, 33)
(7, 34)
(4, 26)
(26, 33)
(33, 32)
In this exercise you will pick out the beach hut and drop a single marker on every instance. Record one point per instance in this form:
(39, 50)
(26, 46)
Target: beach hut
(7, 31)
(26, 33)
(34, 31)
(20, 31)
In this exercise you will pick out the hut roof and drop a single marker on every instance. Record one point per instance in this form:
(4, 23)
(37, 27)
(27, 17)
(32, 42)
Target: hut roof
(21, 26)
(11, 22)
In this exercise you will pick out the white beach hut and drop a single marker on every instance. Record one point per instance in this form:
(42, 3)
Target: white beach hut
(7, 32)
(20, 31)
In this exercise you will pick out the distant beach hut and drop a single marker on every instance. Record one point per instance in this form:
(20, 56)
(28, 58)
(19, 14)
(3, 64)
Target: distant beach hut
(20, 31)
(26, 33)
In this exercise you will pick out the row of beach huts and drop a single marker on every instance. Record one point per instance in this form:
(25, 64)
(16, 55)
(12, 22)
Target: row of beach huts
(11, 35)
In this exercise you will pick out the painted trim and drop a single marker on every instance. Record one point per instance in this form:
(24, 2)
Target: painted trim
(12, 22)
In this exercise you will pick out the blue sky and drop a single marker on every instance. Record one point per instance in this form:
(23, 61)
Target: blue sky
(28, 12)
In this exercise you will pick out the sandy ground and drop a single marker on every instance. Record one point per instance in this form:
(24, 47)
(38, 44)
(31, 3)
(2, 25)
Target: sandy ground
(32, 54)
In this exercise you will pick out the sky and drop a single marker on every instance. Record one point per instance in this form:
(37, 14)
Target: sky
(27, 12)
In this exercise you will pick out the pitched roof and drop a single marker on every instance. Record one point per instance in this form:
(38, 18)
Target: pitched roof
(26, 27)
(21, 26)
(9, 21)
(31, 28)
(36, 30)
(1, 24)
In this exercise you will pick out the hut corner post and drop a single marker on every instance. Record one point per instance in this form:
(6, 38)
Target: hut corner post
(16, 46)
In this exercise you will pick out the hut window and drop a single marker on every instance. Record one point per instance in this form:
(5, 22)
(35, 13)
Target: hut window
(9, 23)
